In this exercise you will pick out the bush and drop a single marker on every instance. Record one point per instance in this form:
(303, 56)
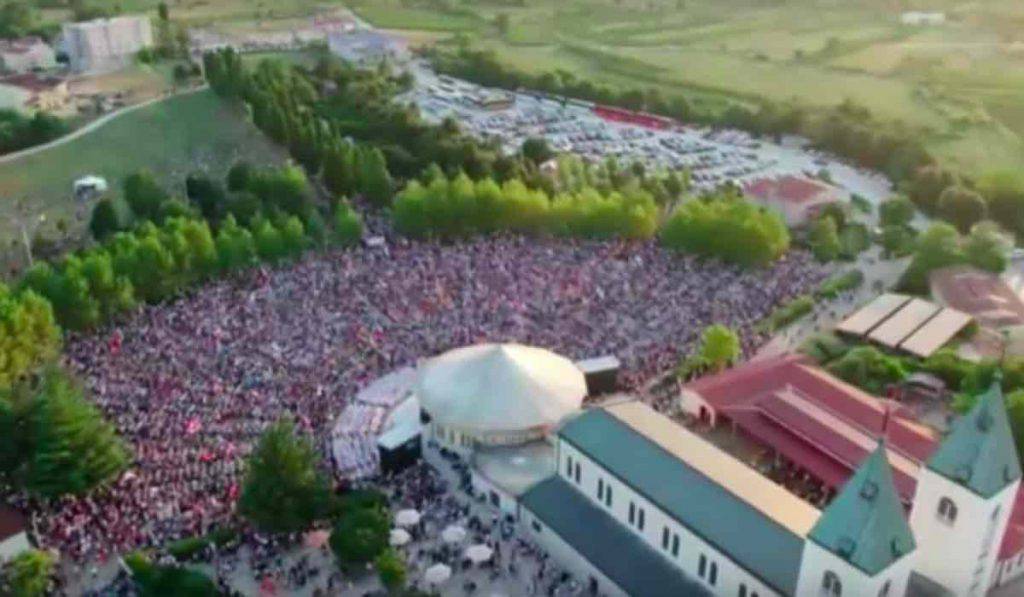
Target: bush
(824, 348)
(158, 581)
(787, 314)
(727, 228)
(840, 283)
(854, 238)
(189, 547)
(869, 369)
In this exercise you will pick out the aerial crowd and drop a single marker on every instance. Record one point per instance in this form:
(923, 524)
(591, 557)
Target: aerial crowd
(191, 384)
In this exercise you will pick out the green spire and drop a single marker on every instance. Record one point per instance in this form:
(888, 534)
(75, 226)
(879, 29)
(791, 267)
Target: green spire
(865, 524)
(979, 452)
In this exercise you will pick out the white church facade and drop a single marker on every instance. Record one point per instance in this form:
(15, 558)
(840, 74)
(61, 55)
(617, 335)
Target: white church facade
(641, 506)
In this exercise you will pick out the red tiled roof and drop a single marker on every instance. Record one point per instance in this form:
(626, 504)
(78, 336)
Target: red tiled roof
(32, 82)
(819, 422)
(983, 295)
(789, 188)
(1013, 540)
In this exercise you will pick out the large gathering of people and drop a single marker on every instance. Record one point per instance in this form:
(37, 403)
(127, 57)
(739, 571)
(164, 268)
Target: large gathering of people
(192, 383)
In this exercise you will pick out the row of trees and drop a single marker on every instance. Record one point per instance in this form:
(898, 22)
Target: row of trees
(153, 263)
(460, 208)
(18, 131)
(986, 247)
(283, 103)
(996, 195)
(728, 228)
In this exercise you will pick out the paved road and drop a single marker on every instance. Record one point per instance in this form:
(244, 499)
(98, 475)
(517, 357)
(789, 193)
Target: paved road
(10, 157)
(878, 273)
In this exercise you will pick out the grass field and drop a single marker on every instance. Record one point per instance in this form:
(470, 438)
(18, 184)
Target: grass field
(961, 83)
(172, 138)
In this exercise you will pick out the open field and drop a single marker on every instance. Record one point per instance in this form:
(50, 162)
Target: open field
(172, 138)
(961, 83)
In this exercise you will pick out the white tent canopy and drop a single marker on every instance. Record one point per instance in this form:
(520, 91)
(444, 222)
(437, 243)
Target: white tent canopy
(500, 387)
(453, 534)
(479, 553)
(398, 537)
(437, 574)
(407, 518)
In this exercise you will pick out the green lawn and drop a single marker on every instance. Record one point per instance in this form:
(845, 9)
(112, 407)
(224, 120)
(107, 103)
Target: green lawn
(172, 138)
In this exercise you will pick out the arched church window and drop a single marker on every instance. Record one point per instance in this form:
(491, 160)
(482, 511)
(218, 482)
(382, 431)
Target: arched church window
(947, 510)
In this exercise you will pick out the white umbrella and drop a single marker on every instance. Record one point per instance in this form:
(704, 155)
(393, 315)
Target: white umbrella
(437, 574)
(453, 534)
(407, 518)
(398, 537)
(479, 553)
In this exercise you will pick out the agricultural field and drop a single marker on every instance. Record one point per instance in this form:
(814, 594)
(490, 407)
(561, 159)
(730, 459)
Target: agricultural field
(961, 83)
(172, 137)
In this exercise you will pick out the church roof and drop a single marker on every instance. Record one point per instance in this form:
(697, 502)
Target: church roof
(758, 524)
(979, 453)
(865, 524)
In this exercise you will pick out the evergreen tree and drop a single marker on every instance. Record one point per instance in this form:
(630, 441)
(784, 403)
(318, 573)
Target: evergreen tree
(283, 491)
(104, 221)
(73, 448)
(144, 195)
(374, 179)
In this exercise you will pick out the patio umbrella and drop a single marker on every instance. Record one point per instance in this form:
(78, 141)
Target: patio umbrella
(453, 534)
(479, 553)
(407, 518)
(437, 574)
(398, 537)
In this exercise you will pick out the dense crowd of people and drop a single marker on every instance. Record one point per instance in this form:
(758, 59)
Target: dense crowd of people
(192, 383)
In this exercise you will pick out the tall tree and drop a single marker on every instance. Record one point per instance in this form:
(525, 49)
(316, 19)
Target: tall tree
(74, 449)
(29, 336)
(284, 491)
(105, 220)
(962, 207)
(823, 237)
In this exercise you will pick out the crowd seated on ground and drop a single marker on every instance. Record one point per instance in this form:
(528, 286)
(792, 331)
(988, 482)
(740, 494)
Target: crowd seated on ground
(191, 384)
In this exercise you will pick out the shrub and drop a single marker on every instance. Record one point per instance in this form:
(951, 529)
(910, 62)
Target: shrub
(727, 228)
(787, 314)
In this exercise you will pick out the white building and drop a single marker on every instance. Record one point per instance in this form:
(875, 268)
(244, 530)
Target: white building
(642, 506)
(366, 47)
(104, 45)
(917, 18)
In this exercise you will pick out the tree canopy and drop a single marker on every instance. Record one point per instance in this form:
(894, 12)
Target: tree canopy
(284, 490)
(719, 347)
(28, 573)
(72, 448)
(727, 228)
(29, 336)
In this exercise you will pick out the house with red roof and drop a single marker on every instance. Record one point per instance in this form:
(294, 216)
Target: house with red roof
(798, 199)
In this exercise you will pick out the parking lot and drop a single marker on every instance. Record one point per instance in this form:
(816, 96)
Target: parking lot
(712, 157)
